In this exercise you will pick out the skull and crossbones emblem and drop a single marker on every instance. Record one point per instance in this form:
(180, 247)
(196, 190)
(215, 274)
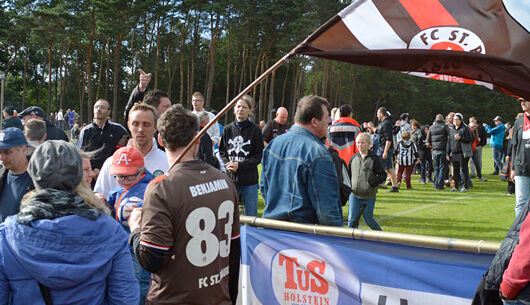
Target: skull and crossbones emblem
(237, 145)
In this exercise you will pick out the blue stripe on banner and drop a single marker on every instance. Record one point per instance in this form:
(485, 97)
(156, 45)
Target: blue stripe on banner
(295, 268)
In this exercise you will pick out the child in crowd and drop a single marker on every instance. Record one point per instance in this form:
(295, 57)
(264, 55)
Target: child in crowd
(406, 155)
(367, 172)
(129, 170)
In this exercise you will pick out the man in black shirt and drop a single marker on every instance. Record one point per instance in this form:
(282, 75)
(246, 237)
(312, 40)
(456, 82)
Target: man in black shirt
(52, 132)
(276, 127)
(386, 149)
(101, 135)
(10, 120)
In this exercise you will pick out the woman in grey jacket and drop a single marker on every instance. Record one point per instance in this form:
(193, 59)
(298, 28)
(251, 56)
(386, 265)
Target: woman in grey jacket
(367, 173)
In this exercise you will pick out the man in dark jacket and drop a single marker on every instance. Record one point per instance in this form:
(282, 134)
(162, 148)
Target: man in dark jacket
(52, 132)
(520, 157)
(385, 148)
(14, 178)
(437, 140)
(10, 120)
(241, 148)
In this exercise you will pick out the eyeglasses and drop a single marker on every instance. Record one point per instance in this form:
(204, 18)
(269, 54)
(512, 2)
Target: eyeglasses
(126, 177)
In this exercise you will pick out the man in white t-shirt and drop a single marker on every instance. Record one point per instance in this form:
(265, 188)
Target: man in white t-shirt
(60, 118)
(142, 124)
(197, 100)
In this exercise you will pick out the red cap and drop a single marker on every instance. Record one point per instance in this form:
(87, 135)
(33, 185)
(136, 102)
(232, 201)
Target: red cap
(126, 161)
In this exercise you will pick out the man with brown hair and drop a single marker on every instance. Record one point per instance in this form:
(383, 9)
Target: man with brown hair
(35, 131)
(142, 124)
(298, 179)
(187, 232)
(197, 101)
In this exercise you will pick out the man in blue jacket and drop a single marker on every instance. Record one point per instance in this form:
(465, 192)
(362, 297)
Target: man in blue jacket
(497, 138)
(298, 179)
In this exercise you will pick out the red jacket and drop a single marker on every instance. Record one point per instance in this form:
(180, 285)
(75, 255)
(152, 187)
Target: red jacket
(517, 275)
(342, 136)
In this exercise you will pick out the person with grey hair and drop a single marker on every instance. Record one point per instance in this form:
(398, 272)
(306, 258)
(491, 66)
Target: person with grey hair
(205, 152)
(298, 179)
(63, 245)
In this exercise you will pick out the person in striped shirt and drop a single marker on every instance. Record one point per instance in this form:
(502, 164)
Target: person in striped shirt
(407, 154)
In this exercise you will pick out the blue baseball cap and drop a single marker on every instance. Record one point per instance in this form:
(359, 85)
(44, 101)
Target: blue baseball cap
(11, 137)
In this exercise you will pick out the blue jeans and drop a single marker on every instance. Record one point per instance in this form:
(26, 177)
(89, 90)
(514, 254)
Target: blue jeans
(250, 198)
(497, 158)
(425, 169)
(143, 277)
(477, 162)
(440, 166)
(522, 193)
(515, 302)
(368, 214)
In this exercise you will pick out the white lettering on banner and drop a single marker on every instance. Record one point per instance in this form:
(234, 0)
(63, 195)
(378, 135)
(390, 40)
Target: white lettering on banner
(301, 277)
(214, 279)
(208, 187)
(451, 39)
(380, 295)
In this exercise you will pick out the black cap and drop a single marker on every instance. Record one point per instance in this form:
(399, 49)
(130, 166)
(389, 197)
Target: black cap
(403, 116)
(36, 110)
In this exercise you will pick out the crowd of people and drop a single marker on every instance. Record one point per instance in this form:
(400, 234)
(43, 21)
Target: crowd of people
(173, 231)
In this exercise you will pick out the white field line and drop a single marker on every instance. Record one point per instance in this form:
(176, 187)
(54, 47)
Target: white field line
(421, 207)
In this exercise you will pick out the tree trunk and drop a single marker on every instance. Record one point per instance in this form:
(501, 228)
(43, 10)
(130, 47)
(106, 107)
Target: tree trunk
(63, 78)
(49, 77)
(285, 85)
(227, 97)
(325, 79)
(89, 66)
(339, 85)
(271, 96)
(181, 97)
(107, 72)
(256, 71)
(243, 67)
(100, 73)
(157, 58)
(24, 78)
(262, 89)
(295, 89)
(116, 77)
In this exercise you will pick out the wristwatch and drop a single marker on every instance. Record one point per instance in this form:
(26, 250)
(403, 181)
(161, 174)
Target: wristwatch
(504, 298)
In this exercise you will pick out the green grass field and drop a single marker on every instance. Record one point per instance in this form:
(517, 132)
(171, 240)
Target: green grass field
(483, 213)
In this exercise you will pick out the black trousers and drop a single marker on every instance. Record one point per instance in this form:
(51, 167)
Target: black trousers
(464, 165)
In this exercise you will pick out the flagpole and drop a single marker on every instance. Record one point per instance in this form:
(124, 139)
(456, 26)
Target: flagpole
(230, 105)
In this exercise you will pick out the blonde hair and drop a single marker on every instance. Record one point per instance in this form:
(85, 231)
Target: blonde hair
(84, 191)
(366, 137)
(405, 135)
